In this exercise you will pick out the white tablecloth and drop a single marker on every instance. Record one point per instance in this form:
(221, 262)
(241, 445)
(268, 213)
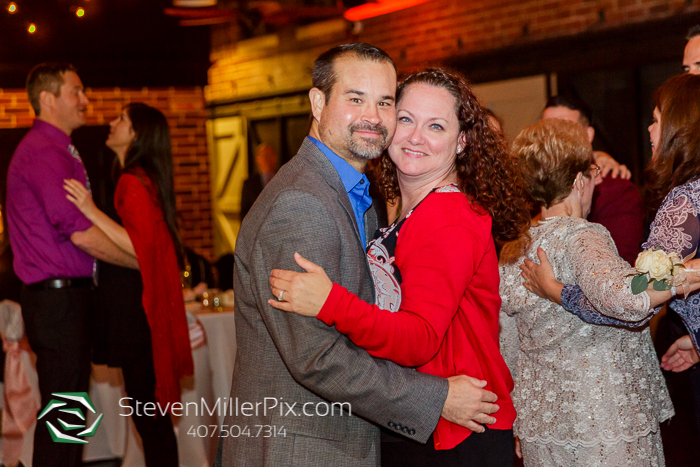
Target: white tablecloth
(116, 437)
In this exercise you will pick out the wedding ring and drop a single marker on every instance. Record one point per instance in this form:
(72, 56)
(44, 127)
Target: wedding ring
(279, 299)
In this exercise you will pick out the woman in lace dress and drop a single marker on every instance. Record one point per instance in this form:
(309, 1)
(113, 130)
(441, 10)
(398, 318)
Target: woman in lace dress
(435, 268)
(585, 394)
(674, 181)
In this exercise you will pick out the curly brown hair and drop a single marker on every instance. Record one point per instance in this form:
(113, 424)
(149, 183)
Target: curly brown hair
(552, 153)
(486, 173)
(677, 158)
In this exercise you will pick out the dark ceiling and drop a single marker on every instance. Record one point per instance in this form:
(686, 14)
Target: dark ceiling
(126, 43)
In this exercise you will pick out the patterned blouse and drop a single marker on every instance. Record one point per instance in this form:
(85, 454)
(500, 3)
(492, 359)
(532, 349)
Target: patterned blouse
(381, 253)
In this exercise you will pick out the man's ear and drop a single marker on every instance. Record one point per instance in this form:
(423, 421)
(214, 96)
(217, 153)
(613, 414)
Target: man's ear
(318, 102)
(591, 134)
(46, 99)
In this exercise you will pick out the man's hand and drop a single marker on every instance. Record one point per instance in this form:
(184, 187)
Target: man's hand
(608, 165)
(468, 405)
(680, 356)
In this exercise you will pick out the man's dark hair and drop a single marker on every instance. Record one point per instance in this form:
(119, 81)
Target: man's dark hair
(692, 32)
(323, 75)
(46, 77)
(573, 103)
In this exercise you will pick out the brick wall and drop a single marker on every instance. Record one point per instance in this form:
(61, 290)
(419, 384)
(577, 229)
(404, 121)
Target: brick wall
(426, 33)
(184, 109)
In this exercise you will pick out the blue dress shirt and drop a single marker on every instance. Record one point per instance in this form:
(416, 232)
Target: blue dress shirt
(355, 183)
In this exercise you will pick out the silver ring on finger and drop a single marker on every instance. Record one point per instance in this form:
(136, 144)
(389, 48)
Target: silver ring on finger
(279, 297)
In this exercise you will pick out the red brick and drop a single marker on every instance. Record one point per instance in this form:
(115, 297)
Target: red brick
(428, 33)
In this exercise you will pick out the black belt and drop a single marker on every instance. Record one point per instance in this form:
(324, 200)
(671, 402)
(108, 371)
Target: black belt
(61, 283)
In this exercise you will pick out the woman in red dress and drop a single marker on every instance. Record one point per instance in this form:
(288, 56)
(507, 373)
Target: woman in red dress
(145, 202)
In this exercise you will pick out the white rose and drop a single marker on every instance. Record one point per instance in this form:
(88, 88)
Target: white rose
(661, 265)
(644, 261)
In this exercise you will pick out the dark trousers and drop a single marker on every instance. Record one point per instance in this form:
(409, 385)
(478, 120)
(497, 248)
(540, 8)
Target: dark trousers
(157, 435)
(57, 325)
(493, 448)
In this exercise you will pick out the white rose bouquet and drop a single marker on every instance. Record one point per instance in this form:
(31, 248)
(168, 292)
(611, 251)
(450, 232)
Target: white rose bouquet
(656, 266)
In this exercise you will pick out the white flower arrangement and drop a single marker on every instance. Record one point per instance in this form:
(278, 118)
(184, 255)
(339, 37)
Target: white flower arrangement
(657, 266)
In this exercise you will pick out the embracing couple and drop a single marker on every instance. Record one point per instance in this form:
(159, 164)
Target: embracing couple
(371, 309)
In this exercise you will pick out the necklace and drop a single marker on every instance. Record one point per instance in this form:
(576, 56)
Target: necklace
(547, 219)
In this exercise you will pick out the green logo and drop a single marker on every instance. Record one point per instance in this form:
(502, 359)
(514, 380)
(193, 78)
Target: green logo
(59, 436)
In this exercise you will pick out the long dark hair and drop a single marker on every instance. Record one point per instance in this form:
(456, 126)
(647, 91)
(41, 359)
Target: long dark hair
(677, 159)
(485, 171)
(150, 150)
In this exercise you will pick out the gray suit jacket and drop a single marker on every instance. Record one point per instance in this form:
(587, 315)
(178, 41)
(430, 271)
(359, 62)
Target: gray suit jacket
(300, 362)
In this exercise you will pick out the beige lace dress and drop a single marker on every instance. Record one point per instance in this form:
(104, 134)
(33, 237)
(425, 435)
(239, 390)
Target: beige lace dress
(586, 395)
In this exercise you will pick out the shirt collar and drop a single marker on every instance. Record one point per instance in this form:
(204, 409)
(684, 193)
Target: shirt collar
(348, 174)
(53, 132)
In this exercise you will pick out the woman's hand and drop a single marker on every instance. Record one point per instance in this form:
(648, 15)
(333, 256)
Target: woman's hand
(80, 196)
(680, 356)
(540, 279)
(298, 292)
(687, 279)
(691, 272)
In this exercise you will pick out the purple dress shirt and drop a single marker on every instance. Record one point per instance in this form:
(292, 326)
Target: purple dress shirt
(40, 218)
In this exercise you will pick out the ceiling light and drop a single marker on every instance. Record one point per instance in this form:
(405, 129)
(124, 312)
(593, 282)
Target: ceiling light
(381, 7)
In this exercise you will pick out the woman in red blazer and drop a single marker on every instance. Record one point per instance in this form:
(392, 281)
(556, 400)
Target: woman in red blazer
(145, 202)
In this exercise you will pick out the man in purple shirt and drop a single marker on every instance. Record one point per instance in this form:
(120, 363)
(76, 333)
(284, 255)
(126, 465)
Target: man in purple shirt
(55, 248)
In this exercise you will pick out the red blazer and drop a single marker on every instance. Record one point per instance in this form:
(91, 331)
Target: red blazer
(448, 321)
(137, 204)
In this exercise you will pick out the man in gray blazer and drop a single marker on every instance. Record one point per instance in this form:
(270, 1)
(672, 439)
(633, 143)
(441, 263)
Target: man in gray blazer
(305, 392)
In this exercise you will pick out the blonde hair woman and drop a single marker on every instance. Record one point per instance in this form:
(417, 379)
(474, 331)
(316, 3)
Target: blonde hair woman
(585, 394)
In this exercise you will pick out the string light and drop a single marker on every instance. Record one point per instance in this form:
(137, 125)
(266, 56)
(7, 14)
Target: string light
(32, 28)
(12, 7)
(80, 12)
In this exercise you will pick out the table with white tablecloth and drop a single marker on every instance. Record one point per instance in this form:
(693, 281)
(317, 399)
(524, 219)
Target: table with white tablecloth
(213, 366)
